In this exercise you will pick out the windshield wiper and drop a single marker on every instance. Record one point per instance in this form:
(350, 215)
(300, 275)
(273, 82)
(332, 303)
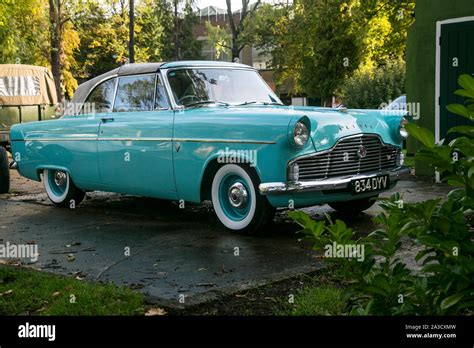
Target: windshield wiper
(256, 102)
(203, 102)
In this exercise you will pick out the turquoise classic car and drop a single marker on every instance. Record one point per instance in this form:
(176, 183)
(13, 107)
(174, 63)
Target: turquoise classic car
(198, 130)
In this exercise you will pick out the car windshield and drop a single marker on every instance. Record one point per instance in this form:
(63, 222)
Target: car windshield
(198, 87)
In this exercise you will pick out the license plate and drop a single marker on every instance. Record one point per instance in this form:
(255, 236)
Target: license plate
(376, 183)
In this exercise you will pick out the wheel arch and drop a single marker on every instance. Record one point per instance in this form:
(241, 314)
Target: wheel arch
(212, 166)
(41, 169)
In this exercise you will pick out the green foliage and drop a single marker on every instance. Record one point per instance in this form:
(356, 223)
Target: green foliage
(382, 284)
(24, 31)
(310, 40)
(95, 34)
(178, 41)
(441, 231)
(454, 160)
(332, 46)
(385, 25)
(370, 89)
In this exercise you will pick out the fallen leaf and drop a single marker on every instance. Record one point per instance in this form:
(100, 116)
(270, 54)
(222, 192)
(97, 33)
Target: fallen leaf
(71, 257)
(205, 284)
(8, 292)
(56, 294)
(155, 311)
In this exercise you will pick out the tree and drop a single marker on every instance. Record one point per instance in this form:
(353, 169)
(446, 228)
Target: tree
(152, 18)
(236, 35)
(332, 49)
(238, 41)
(317, 45)
(24, 32)
(131, 43)
(180, 42)
(56, 21)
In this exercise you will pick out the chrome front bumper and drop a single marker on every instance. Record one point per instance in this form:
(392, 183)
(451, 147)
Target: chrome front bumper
(340, 182)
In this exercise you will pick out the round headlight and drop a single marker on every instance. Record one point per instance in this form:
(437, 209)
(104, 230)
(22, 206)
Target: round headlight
(300, 133)
(403, 132)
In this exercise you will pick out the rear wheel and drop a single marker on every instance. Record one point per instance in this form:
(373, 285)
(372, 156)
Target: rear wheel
(60, 189)
(4, 171)
(237, 201)
(353, 207)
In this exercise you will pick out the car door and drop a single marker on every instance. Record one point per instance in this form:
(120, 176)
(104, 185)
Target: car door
(134, 148)
(78, 152)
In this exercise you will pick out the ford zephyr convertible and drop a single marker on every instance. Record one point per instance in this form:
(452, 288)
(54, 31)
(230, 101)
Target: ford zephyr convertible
(196, 131)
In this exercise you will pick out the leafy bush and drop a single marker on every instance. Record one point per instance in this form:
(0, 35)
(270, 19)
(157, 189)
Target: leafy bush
(370, 89)
(441, 231)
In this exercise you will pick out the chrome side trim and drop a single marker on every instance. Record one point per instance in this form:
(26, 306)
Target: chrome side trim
(134, 139)
(58, 139)
(183, 140)
(341, 182)
(236, 141)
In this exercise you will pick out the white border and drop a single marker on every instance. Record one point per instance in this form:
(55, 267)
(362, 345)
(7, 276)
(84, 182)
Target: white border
(438, 73)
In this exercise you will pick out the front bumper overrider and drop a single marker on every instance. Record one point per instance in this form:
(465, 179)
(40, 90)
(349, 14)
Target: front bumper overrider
(337, 183)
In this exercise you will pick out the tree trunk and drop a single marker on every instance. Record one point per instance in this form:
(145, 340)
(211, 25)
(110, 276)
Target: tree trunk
(55, 21)
(235, 51)
(176, 31)
(131, 44)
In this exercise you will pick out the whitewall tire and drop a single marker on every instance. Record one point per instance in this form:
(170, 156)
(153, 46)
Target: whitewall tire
(236, 200)
(60, 188)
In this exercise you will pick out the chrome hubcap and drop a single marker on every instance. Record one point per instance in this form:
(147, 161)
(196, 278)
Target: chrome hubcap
(60, 179)
(238, 195)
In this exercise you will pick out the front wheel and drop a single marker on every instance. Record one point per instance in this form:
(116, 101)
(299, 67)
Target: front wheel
(61, 190)
(237, 201)
(353, 207)
(4, 171)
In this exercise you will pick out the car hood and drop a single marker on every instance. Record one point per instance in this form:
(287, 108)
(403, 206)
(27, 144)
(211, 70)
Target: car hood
(327, 125)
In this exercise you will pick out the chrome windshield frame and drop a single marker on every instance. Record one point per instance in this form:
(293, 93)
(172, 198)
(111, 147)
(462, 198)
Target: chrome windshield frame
(175, 106)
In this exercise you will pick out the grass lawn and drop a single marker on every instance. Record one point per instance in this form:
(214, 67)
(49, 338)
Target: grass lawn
(324, 300)
(29, 292)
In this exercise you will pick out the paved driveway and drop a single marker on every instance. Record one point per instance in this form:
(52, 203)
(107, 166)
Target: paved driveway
(166, 252)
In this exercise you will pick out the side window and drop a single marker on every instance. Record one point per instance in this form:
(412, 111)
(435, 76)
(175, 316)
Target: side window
(101, 98)
(161, 100)
(188, 86)
(135, 93)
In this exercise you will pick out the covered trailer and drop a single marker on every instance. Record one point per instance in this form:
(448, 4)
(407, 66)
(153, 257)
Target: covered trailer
(27, 93)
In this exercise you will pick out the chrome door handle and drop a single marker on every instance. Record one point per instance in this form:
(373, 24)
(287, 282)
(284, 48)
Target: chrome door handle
(107, 119)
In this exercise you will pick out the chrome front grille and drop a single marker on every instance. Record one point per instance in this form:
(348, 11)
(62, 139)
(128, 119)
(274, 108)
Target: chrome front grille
(347, 158)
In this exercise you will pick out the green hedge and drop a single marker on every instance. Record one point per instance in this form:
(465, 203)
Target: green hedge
(369, 90)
